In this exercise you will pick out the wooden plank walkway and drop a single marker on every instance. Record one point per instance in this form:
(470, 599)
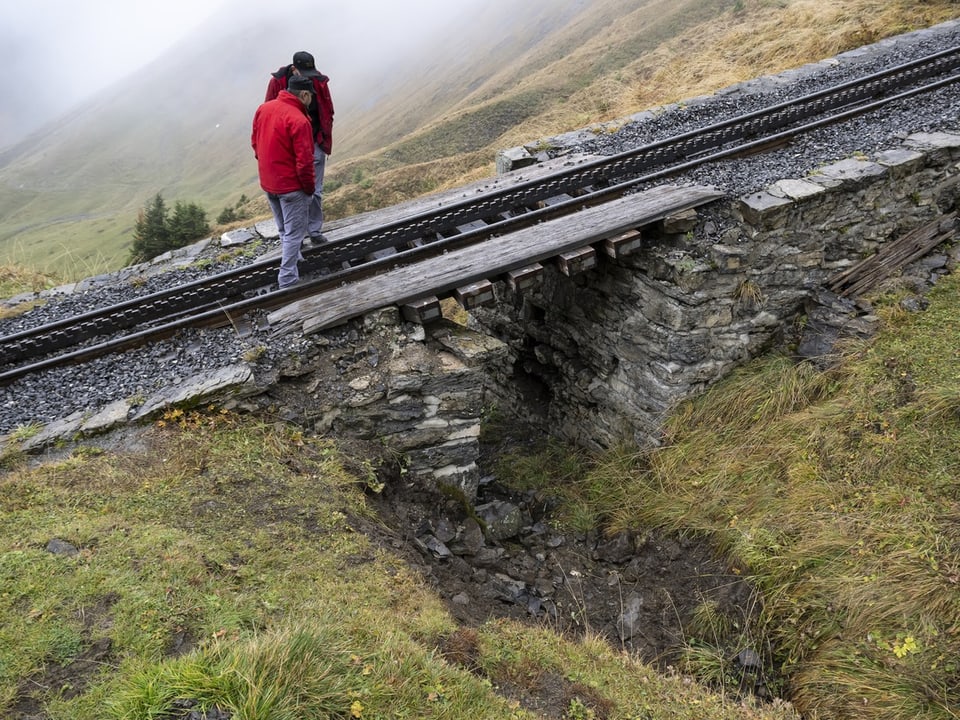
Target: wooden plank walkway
(491, 260)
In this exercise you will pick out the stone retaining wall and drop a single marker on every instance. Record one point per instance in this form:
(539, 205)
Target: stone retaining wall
(599, 358)
(408, 395)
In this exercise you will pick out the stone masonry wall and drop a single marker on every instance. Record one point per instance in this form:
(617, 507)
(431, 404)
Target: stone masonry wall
(599, 358)
(399, 397)
(400, 394)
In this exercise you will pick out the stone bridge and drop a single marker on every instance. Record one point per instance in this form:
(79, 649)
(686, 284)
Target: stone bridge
(599, 357)
(599, 347)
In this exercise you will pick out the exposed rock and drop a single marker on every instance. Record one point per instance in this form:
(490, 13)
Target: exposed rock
(61, 547)
(241, 236)
(628, 624)
(503, 520)
(618, 549)
(831, 318)
(599, 359)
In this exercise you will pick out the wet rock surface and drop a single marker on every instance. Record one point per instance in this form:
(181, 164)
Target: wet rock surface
(505, 557)
(636, 589)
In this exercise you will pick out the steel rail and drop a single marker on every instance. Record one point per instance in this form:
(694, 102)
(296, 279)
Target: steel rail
(219, 315)
(590, 183)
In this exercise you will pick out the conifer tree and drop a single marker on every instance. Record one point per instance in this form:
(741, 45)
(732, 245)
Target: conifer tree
(150, 234)
(227, 215)
(155, 233)
(189, 223)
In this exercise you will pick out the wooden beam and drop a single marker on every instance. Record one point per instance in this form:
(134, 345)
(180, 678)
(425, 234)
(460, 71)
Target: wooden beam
(475, 294)
(623, 244)
(524, 278)
(555, 200)
(379, 254)
(474, 225)
(574, 262)
(494, 258)
(422, 311)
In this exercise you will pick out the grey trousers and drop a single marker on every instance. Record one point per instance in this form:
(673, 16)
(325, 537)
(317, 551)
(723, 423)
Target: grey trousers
(291, 213)
(316, 202)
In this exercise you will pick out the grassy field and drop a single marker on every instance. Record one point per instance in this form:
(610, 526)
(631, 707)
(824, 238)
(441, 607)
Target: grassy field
(221, 562)
(234, 562)
(836, 492)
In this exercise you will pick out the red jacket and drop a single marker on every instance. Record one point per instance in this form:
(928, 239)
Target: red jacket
(321, 109)
(282, 141)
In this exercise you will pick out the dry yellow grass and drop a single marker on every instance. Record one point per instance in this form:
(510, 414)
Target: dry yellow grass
(15, 280)
(766, 38)
(738, 46)
(751, 39)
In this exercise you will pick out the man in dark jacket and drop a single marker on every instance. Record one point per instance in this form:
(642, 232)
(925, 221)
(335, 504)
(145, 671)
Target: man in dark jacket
(283, 143)
(321, 115)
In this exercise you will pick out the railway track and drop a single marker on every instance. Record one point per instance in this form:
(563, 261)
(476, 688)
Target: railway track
(226, 297)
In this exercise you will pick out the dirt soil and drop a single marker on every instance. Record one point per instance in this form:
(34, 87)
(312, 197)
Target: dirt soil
(639, 590)
(570, 581)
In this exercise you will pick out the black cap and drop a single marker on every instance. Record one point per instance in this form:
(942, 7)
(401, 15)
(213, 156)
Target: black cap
(299, 83)
(303, 61)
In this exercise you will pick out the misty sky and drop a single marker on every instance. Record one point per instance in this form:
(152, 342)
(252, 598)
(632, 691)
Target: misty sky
(56, 53)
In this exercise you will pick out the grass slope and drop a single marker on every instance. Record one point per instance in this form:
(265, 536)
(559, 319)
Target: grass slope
(220, 562)
(225, 560)
(836, 493)
(616, 58)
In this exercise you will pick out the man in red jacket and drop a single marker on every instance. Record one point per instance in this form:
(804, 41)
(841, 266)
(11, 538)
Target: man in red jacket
(321, 115)
(283, 143)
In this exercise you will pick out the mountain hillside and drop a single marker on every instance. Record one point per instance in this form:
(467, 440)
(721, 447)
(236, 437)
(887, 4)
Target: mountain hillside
(410, 118)
(613, 59)
(70, 193)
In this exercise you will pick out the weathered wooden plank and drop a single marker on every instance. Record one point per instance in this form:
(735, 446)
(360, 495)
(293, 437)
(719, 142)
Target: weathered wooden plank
(623, 244)
(574, 262)
(475, 225)
(524, 278)
(555, 200)
(893, 256)
(494, 258)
